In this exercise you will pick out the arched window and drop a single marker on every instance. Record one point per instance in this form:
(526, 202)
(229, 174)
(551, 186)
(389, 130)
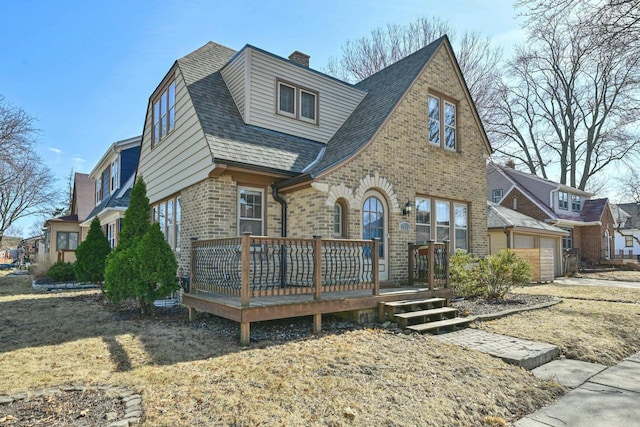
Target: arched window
(340, 219)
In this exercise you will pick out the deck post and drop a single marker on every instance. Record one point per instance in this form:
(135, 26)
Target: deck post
(192, 314)
(374, 267)
(432, 260)
(317, 269)
(317, 323)
(245, 333)
(192, 266)
(244, 280)
(410, 246)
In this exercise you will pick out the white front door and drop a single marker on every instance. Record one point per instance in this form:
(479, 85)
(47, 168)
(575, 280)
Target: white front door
(375, 224)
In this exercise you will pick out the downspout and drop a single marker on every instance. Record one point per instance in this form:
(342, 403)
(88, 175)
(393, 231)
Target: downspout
(283, 212)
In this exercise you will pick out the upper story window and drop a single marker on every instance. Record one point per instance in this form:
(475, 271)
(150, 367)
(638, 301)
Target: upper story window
(442, 122)
(575, 203)
(251, 211)
(497, 195)
(297, 102)
(98, 190)
(164, 113)
(106, 180)
(628, 241)
(115, 176)
(563, 200)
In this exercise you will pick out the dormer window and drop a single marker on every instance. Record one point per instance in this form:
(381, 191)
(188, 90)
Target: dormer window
(297, 102)
(563, 200)
(575, 203)
(114, 176)
(164, 112)
(442, 122)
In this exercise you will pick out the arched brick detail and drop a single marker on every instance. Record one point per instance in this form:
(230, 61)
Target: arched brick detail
(340, 191)
(382, 185)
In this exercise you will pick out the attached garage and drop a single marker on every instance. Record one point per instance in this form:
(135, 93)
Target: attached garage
(511, 229)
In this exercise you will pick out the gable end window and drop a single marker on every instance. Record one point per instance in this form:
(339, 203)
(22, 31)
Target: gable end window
(297, 102)
(628, 241)
(442, 122)
(164, 113)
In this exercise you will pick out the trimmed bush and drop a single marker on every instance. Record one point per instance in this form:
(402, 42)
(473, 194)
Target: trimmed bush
(143, 265)
(62, 272)
(91, 255)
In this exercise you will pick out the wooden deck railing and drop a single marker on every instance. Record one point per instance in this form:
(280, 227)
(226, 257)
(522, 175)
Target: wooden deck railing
(250, 266)
(429, 264)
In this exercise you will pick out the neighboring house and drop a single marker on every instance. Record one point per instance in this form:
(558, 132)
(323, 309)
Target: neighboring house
(249, 141)
(510, 229)
(627, 241)
(63, 234)
(32, 247)
(590, 222)
(113, 176)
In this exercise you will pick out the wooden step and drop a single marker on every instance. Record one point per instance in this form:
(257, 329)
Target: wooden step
(389, 309)
(423, 316)
(440, 324)
(411, 302)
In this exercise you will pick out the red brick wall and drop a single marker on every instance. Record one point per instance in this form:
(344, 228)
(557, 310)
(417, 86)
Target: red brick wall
(524, 205)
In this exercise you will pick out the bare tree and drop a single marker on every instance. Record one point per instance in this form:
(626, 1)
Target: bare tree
(567, 101)
(385, 45)
(27, 189)
(629, 186)
(17, 133)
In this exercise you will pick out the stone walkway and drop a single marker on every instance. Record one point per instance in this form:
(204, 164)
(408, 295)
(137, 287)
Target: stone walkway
(524, 353)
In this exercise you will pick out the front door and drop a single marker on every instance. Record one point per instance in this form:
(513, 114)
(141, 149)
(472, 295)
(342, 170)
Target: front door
(375, 224)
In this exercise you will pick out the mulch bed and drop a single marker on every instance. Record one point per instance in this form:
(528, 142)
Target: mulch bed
(66, 408)
(478, 305)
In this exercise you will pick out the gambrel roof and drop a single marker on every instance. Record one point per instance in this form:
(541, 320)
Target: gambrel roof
(230, 139)
(233, 141)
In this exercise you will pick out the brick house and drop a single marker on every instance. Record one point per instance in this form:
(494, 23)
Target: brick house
(589, 221)
(250, 141)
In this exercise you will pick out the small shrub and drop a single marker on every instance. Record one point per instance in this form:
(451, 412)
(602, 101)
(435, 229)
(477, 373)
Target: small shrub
(91, 255)
(62, 272)
(465, 280)
(502, 271)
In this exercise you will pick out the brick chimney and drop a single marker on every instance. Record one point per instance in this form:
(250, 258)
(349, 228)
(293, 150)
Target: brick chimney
(300, 58)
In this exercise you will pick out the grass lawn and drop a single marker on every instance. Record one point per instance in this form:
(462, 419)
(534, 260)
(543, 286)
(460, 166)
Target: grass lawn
(588, 325)
(190, 375)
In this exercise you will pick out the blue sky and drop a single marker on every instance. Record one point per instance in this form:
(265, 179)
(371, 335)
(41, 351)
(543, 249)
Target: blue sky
(85, 69)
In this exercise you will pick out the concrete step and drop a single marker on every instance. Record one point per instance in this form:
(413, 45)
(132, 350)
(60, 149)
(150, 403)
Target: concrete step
(436, 326)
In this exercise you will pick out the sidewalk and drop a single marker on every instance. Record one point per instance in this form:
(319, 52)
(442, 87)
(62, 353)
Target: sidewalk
(600, 396)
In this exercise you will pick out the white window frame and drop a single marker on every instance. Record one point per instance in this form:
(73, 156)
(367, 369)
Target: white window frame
(294, 100)
(262, 208)
(98, 190)
(497, 195)
(628, 241)
(563, 204)
(576, 201)
(111, 234)
(115, 175)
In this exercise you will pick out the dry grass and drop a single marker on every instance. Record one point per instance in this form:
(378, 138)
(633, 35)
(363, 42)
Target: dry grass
(594, 293)
(624, 276)
(586, 325)
(192, 376)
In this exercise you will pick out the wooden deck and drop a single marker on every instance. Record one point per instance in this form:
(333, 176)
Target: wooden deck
(281, 307)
